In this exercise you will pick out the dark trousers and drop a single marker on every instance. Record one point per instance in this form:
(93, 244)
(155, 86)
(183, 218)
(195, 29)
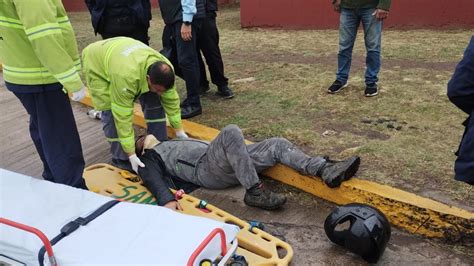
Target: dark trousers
(183, 55)
(113, 29)
(155, 119)
(228, 161)
(208, 44)
(54, 132)
(464, 165)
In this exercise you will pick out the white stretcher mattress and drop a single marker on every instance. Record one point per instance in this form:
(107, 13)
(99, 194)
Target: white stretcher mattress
(128, 233)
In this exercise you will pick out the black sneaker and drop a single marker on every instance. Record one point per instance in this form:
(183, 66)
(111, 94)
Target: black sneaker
(190, 111)
(334, 172)
(337, 86)
(225, 92)
(371, 90)
(259, 197)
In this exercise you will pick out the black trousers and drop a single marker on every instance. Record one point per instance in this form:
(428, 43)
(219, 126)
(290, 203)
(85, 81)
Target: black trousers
(183, 55)
(208, 44)
(114, 28)
(53, 131)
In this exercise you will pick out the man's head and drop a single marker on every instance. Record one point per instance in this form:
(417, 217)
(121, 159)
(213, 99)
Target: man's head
(144, 142)
(160, 77)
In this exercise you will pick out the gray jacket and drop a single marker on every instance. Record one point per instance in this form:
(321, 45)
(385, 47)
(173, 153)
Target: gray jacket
(182, 156)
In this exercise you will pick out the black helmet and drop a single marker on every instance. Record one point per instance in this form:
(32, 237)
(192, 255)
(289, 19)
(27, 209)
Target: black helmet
(368, 233)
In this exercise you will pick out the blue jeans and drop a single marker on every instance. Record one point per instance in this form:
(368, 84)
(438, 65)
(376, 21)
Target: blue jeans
(348, 25)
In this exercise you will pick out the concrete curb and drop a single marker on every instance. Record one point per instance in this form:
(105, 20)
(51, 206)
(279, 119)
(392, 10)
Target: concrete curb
(416, 214)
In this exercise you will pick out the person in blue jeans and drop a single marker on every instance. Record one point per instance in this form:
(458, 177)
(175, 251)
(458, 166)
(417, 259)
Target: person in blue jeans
(461, 94)
(369, 13)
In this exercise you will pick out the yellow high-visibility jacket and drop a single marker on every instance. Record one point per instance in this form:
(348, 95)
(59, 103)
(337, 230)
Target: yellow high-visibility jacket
(115, 70)
(37, 44)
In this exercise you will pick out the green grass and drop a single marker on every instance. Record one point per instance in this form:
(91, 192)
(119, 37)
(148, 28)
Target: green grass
(288, 98)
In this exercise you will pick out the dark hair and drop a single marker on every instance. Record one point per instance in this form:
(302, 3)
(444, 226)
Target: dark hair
(161, 73)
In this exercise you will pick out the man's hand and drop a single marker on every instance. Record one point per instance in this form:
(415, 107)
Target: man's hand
(380, 14)
(336, 4)
(186, 32)
(180, 134)
(173, 205)
(79, 95)
(135, 162)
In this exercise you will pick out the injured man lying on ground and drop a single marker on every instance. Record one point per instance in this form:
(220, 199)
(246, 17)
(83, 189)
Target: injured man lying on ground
(227, 161)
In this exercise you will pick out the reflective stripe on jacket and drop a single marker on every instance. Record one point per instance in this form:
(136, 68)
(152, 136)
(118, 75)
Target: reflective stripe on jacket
(115, 71)
(37, 44)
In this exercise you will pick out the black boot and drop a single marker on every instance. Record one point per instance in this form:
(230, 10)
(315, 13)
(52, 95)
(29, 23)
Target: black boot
(257, 196)
(189, 111)
(225, 92)
(334, 172)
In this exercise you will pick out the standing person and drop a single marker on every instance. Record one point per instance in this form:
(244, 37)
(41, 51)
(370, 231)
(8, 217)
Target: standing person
(208, 43)
(227, 161)
(461, 94)
(182, 23)
(120, 70)
(130, 18)
(352, 12)
(40, 65)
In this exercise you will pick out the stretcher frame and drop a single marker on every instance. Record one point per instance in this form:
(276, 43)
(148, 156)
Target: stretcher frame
(225, 253)
(257, 246)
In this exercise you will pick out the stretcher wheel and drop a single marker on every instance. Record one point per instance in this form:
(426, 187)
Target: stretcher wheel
(205, 262)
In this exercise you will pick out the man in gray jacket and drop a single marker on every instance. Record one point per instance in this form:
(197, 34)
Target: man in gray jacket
(227, 161)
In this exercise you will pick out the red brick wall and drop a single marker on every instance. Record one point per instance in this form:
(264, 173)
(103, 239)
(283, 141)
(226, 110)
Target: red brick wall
(318, 14)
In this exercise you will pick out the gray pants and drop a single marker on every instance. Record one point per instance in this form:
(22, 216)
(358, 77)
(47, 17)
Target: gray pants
(229, 161)
(155, 119)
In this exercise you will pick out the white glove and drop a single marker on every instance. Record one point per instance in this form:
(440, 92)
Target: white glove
(180, 134)
(135, 162)
(79, 95)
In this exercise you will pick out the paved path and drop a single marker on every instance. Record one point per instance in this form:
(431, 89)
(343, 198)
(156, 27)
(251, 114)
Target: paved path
(300, 223)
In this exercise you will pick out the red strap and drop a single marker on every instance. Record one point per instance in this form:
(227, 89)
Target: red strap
(179, 194)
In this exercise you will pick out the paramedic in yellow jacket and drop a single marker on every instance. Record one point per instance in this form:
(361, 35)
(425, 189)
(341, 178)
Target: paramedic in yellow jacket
(40, 64)
(120, 70)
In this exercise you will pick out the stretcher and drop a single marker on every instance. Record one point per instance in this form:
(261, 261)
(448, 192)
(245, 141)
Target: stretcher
(257, 246)
(43, 223)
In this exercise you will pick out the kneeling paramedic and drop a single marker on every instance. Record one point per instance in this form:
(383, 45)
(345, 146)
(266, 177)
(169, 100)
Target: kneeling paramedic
(120, 70)
(227, 161)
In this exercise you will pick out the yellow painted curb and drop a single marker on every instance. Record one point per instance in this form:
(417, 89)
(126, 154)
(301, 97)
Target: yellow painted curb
(407, 210)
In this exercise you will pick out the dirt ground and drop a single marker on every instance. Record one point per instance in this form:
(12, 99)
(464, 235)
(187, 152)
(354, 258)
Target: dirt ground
(406, 136)
(301, 224)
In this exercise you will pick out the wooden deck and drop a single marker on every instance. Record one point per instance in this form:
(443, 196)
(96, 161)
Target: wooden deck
(17, 150)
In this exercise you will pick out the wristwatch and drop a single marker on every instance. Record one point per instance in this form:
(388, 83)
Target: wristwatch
(187, 23)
